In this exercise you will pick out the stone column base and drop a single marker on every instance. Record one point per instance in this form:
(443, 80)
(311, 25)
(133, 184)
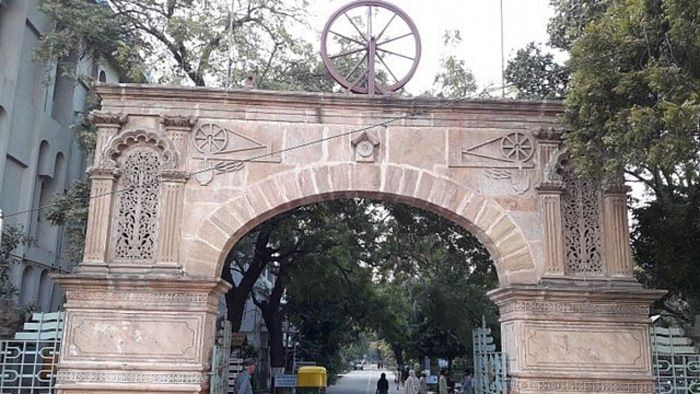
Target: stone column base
(137, 334)
(576, 339)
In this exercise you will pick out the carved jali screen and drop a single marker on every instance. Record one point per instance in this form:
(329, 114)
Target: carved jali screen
(139, 190)
(581, 220)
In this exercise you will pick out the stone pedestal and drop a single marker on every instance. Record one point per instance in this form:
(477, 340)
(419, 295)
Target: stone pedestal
(137, 334)
(571, 339)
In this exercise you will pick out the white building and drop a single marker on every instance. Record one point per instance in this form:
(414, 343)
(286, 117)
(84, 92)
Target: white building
(39, 154)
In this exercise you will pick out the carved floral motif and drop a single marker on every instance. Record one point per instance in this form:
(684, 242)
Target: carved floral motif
(178, 122)
(131, 377)
(123, 140)
(580, 217)
(579, 386)
(140, 297)
(574, 307)
(136, 221)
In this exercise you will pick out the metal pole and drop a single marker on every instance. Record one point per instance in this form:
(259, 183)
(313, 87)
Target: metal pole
(2, 217)
(503, 63)
(229, 69)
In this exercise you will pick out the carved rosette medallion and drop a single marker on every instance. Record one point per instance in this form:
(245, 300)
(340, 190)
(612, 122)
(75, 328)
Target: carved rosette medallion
(365, 147)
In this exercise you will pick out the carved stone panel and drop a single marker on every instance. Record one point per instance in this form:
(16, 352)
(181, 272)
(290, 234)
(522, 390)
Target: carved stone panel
(135, 229)
(586, 347)
(506, 149)
(580, 203)
(161, 336)
(218, 149)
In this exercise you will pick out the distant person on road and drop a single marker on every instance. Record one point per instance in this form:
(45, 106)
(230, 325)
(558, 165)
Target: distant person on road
(442, 383)
(412, 384)
(242, 384)
(382, 385)
(467, 382)
(423, 384)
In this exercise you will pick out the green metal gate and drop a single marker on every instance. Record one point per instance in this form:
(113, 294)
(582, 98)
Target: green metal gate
(28, 362)
(219, 376)
(490, 372)
(676, 361)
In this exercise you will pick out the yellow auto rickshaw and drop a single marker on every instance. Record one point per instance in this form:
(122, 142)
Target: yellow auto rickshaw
(312, 380)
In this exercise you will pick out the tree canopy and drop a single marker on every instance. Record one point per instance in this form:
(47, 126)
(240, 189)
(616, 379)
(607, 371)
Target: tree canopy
(632, 105)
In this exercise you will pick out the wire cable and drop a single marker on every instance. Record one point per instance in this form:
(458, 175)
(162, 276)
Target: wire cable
(428, 109)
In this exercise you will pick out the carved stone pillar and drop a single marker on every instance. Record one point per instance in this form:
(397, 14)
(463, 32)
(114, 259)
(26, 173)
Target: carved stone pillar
(98, 225)
(173, 191)
(615, 231)
(108, 125)
(177, 129)
(549, 191)
(552, 230)
(572, 339)
(140, 334)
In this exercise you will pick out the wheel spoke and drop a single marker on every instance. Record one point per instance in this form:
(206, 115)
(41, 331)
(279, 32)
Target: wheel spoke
(356, 28)
(348, 38)
(381, 59)
(394, 39)
(347, 78)
(357, 81)
(396, 54)
(347, 53)
(386, 27)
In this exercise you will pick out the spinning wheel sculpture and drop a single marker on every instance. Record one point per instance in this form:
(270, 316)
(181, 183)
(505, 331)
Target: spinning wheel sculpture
(370, 47)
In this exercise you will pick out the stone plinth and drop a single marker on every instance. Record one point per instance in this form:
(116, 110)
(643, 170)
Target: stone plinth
(137, 334)
(576, 339)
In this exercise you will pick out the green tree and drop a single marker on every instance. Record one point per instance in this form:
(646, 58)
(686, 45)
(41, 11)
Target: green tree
(12, 238)
(335, 233)
(536, 75)
(179, 41)
(70, 210)
(454, 78)
(437, 274)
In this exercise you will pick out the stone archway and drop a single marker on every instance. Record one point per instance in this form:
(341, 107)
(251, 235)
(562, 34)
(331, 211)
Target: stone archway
(180, 174)
(258, 202)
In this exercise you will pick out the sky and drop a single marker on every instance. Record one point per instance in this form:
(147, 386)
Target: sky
(477, 20)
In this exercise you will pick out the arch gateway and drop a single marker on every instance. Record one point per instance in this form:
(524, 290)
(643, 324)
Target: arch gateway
(180, 174)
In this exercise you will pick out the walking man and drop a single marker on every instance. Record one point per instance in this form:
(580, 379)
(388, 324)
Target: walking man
(242, 383)
(382, 385)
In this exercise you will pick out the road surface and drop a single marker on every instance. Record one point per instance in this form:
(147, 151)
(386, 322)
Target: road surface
(362, 382)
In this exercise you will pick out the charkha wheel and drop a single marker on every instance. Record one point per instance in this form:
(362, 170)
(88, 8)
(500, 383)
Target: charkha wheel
(370, 47)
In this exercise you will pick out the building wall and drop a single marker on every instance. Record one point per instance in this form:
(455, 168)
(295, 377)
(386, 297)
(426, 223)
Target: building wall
(39, 155)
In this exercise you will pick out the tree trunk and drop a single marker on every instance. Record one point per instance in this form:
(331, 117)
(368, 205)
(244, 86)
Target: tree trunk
(274, 317)
(237, 297)
(273, 322)
(398, 354)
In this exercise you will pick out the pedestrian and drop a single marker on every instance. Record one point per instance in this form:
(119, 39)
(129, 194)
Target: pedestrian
(412, 383)
(382, 385)
(242, 384)
(423, 384)
(467, 382)
(442, 383)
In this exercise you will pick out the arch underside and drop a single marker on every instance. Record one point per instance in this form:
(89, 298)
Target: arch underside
(484, 218)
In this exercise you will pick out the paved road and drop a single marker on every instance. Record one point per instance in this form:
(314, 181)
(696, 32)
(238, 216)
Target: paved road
(362, 382)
